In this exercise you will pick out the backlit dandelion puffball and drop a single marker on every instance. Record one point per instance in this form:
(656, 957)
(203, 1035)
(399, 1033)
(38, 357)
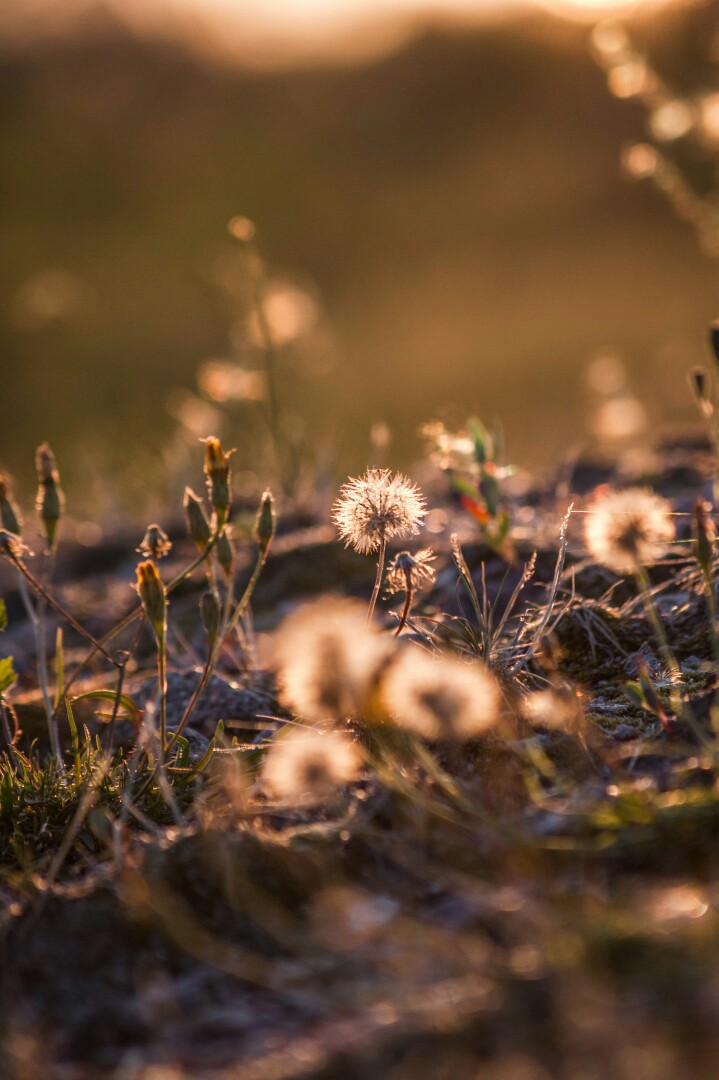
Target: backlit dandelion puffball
(376, 507)
(625, 530)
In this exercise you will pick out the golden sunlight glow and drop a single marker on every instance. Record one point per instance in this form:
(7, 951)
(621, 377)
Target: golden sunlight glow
(272, 29)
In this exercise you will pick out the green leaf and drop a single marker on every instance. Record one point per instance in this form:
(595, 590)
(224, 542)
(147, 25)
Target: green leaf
(126, 702)
(182, 758)
(3, 615)
(635, 694)
(207, 756)
(74, 740)
(6, 796)
(8, 674)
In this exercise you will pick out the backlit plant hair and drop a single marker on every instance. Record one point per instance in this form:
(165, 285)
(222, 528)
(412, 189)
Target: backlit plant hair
(375, 508)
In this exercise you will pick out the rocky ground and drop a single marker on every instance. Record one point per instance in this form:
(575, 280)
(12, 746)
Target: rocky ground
(565, 925)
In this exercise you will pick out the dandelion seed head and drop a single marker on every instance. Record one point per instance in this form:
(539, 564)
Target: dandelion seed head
(441, 698)
(328, 661)
(410, 572)
(628, 529)
(310, 763)
(376, 507)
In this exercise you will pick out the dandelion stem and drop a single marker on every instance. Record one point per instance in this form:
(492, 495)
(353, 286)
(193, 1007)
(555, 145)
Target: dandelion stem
(378, 578)
(407, 602)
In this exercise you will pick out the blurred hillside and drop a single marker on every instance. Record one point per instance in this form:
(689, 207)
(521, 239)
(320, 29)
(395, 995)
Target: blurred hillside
(457, 206)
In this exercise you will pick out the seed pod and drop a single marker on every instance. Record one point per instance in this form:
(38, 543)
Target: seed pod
(210, 613)
(50, 499)
(265, 522)
(225, 552)
(155, 543)
(217, 471)
(714, 340)
(197, 524)
(705, 535)
(153, 597)
(9, 513)
(701, 386)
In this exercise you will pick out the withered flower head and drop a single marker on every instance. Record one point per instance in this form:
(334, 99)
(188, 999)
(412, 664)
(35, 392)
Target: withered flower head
(408, 572)
(155, 543)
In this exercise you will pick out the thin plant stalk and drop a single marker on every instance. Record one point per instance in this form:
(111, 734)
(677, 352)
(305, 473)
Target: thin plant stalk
(246, 597)
(409, 596)
(38, 630)
(99, 644)
(679, 704)
(378, 579)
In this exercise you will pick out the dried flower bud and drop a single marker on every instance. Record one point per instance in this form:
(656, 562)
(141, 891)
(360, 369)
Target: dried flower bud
(9, 513)
(11, 545)
(155, 543)
(197, 524)
(700, 384)
(210, 613)
(50, 499)
(153, 597)
(705, 535)
(225, 552)
(217, 471)
(265, 522)
(714, 339)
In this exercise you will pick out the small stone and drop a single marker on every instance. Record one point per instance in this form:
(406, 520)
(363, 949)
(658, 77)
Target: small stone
(624, 733)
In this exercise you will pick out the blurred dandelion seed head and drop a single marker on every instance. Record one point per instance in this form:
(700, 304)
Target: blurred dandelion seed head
(548, 709)
(628, 529)
(377, 507)
(310, 763)
(328, 661)
(441, 698)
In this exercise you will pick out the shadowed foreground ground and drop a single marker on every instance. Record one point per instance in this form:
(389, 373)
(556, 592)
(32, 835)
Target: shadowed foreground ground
(550, 924)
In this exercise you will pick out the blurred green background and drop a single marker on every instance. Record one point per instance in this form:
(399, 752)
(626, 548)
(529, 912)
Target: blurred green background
(449, 226)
